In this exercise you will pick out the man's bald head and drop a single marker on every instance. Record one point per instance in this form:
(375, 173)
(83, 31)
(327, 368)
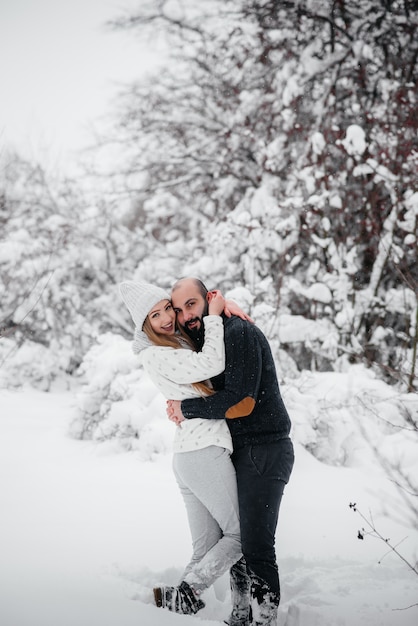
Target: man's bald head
(189, 299)
(191, 281)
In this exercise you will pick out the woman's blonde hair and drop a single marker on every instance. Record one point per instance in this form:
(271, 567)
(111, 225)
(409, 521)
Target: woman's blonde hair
(173, 341)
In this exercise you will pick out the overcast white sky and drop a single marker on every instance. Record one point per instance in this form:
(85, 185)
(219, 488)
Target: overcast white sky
(59, 67)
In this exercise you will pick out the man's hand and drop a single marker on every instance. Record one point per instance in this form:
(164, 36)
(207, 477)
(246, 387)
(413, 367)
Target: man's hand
(174, 411)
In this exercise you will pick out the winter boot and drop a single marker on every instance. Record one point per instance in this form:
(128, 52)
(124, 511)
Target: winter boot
(240, 595)
(264, 604)
(181, 599)
(264, 614)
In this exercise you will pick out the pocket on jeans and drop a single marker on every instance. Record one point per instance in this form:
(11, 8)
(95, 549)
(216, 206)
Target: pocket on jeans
(273, 460)
(261, 459)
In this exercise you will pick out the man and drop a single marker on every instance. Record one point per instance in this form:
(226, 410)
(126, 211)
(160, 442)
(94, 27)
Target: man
(248, 396)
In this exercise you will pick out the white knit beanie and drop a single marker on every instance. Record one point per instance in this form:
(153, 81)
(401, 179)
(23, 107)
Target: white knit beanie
(140, 297)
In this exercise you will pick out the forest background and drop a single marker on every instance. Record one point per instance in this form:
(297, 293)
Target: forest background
(274, 154)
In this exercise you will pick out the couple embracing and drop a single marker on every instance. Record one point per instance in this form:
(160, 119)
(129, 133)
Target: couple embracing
(232, 452)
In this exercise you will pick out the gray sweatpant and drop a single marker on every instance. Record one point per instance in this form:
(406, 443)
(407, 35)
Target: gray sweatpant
(208, 485)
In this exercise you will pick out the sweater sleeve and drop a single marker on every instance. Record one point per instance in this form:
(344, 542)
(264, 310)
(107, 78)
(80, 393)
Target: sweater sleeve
(242, 377)
(183, 366)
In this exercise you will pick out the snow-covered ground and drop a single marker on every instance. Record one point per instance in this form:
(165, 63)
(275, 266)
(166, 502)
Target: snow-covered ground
(85, 532)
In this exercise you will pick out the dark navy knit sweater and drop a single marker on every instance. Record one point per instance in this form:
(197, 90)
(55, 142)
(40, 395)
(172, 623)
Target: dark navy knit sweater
(247, 393)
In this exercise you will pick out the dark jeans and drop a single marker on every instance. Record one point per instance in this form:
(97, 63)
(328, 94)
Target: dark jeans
(262, 472)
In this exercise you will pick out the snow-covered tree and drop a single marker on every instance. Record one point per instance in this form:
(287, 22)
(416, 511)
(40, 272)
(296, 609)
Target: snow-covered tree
(61, 257)
(281, 141)
(275, 154)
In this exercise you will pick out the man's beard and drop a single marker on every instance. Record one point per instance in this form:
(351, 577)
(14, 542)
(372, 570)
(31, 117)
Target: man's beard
(197, 335)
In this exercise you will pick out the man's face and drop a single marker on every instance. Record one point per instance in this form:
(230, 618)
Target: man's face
(190, 307)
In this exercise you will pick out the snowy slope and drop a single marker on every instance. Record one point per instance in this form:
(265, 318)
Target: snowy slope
(85, 532)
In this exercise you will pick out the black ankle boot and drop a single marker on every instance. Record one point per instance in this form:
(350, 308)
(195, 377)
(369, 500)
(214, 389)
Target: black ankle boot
(181, 599)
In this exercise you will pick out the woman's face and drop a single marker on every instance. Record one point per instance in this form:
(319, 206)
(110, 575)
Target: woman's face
(163, 318)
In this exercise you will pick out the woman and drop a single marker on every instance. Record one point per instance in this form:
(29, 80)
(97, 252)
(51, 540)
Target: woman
(202, 448)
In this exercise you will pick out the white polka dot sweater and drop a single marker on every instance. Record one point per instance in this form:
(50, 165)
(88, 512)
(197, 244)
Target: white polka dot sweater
(173, 370)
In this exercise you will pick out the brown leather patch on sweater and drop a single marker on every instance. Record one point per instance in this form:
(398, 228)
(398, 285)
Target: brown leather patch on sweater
(243, 408)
